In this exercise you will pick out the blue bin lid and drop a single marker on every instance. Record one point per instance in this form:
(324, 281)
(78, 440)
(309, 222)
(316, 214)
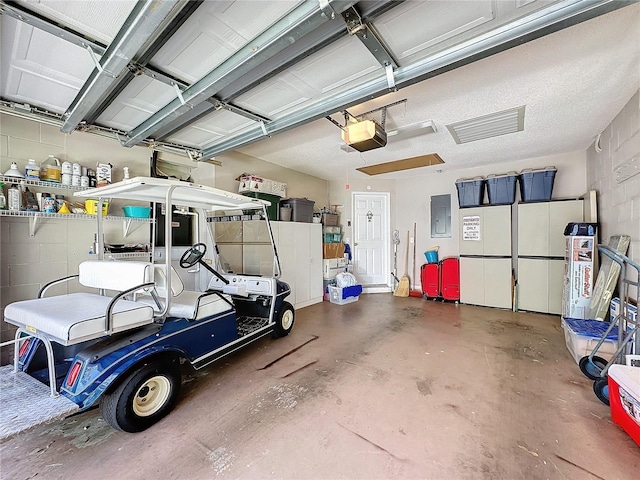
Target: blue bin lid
(591, 328)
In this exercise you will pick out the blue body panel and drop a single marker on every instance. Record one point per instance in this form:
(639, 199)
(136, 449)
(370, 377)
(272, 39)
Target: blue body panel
(200, 342)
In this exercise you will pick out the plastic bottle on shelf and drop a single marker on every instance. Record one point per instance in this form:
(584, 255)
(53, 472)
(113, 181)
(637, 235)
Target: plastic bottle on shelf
(3, 199)
(50, 170)
(15, 198)
(32, 170)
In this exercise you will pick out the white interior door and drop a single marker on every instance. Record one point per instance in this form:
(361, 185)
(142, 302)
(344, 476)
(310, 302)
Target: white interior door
(371, 232)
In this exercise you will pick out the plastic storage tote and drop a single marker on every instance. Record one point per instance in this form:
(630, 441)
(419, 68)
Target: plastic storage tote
(302, 209)
(582, 336)
(536, 185)
(470, 191)
(344, 295)
(273, 210)
(501, 189)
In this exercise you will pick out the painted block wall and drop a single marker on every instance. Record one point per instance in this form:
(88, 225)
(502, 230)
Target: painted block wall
(299, 185)
(410, 197)
(618, 203)
(27, 263)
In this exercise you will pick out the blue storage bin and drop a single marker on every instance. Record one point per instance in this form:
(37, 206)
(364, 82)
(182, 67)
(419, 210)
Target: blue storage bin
(536, 185)
(470, 191)
(501, 189)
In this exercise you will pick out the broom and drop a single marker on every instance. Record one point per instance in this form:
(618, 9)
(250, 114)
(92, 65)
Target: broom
(402, 290)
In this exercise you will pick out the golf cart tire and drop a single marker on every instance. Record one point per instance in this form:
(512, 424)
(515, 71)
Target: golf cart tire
(284, 320)
(144, 397)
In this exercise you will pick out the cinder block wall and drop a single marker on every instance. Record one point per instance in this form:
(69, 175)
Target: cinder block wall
(59, 245)
(618, 203)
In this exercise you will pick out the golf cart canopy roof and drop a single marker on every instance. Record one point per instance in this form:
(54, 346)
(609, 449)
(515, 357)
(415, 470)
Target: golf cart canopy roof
(160, 190)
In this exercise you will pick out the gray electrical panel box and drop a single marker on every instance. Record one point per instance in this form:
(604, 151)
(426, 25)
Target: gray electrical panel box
(441, 216)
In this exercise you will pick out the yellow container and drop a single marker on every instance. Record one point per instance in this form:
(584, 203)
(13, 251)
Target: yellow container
(91, 207)
(50, 170)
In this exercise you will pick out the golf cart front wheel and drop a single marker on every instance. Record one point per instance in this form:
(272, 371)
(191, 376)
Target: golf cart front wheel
(142, 398)
(284, 320)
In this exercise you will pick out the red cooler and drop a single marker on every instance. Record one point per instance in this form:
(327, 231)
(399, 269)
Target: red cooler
(430, 280)
(624, 397)
(450, 278)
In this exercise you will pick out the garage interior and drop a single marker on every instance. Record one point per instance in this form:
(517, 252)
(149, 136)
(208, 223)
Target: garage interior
(384, 386)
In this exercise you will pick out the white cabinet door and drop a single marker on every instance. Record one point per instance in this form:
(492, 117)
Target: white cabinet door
(533, 284)
(315, 266)
(287, 252)
(472, 283)
(497, 281)
(472, 245)
(533, 229)
(556, 285)
(561, 213)
(541, 226)
(496, 230)
(300, 250)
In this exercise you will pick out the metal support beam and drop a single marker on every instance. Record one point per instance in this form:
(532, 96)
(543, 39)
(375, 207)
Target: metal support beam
(369, 37)
(537, 24)
(303, 19)
(319, 38)
(146, 22)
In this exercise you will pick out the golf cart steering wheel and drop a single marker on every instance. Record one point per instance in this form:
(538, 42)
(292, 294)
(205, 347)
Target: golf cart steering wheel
(193, 255)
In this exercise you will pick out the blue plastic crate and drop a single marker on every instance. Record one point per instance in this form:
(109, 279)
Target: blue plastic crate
(591, 328)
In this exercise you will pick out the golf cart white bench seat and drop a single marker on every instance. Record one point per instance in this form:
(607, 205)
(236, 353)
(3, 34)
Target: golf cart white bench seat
(77, 317)
(184, 303)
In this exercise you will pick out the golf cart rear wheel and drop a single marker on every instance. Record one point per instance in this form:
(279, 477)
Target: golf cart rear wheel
(142, 398)
(284, 320)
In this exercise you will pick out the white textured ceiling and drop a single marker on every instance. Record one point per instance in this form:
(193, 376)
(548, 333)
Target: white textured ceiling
(573, 83)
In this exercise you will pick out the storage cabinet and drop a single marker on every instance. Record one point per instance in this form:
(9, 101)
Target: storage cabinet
(485, 256)
(245, 247)
(541, 249)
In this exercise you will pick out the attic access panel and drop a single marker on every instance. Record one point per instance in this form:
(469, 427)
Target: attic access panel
(405, 164)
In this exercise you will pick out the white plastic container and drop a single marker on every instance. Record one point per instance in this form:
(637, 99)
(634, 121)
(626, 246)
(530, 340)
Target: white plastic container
(67, 168)
(50, 170)
(335, 296)
(580, 345)
(32, 170)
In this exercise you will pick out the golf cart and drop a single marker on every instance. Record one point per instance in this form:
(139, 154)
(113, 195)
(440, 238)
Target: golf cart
(120, 339)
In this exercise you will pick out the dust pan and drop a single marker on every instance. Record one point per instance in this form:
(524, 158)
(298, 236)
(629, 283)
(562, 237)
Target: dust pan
(402, 290)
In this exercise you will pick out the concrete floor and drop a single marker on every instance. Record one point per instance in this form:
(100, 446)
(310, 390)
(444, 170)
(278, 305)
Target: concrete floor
(383, 388)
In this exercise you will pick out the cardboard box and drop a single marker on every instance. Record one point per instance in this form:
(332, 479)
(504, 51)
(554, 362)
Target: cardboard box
(103, 174)
(333, 250)
(578, 283)
(253, 183)
(330, 219)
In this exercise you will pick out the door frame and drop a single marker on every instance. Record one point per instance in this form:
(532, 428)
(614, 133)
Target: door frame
(386, 234)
